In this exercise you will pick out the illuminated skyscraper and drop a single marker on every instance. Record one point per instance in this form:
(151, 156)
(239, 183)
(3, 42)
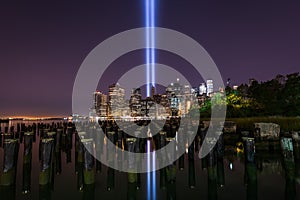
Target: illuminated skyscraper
(100, 103)
(174, 88)
(187, 100)
(135, 102)
(202, 89)
(210, 87)
(152, 91)
(116, 100)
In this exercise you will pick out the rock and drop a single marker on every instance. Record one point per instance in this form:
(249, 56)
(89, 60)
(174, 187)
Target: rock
(229, 127)
(267, 130)
(295, 136)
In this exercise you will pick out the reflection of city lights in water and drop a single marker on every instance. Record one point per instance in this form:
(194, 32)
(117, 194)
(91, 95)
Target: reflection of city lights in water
(187, 147)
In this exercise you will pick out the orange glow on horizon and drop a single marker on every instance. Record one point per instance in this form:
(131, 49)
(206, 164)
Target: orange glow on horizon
(31, 117)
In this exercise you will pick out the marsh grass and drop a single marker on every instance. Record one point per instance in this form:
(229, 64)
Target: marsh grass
(286, 123)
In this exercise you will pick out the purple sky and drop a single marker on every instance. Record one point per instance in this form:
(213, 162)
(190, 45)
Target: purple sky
(42, 45)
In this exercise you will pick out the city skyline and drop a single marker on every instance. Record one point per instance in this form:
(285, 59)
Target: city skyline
(175, 100)
(43, 45)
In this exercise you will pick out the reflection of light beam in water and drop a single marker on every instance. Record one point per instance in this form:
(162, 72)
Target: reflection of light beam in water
(150, 44)
(153, 177)
(148, 173)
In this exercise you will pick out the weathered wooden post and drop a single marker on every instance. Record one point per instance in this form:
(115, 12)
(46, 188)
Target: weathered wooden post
(88, 162)
(289, 166)
(192, 180)
(163, 171)
(110, 157)
(11, 150)
(89, 165)
(250, 168)
(34, 129)
(212, 174)
(69, 135)
(79, 166)
(133, 184)
(12, 132)
(27, 158)
(220, 163)
(1, 140)
(6, 129)
(131, 144)
(297, 171)
(110, 150)
(22, 131)
(46, 171)
(7, 135)
(171, 173)
(58, 136)
(296, 145)
(99, 149)
(181, 145)
(43, 134)
(110, 179)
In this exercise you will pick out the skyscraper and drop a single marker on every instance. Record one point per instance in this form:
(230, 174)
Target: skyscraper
(116, 101)
(210, 87)
(135, 102)
(100, 103)
(202, 89)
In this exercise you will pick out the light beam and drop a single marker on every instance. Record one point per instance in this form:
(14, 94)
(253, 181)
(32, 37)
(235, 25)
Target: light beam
(150, 74)
(153, 42)
(150, 44)
(147, 5)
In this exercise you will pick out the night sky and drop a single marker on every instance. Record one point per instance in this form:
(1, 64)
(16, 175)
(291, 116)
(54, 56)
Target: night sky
(42, 44)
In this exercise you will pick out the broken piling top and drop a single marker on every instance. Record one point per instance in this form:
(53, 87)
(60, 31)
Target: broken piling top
(10, 154)
(51, 134)
(81, 134)
(86, 141)
(47, 153)
(268, 130)
(9, 141)
(28, 133)
(296, 136)
(130, 144)
(287, 144)
(131, 140)
(249, 145)
(28, 140)
(88, 144)
(47, 140)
